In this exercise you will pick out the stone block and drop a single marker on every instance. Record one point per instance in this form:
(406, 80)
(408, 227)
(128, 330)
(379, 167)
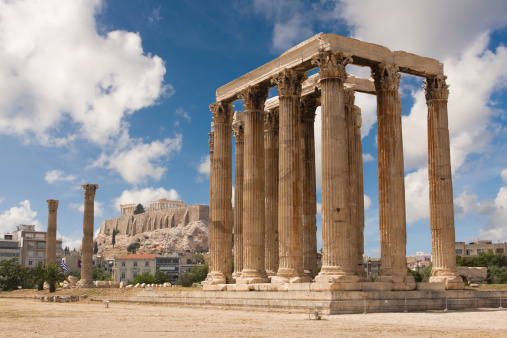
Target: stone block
(430, 286)
(214, 287)
(298, 287)
(265, 287)
(404, 286)
(336, 286)
(377, 286)
(243, 287)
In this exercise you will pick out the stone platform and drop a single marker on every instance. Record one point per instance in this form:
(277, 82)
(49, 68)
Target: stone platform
(330, 302)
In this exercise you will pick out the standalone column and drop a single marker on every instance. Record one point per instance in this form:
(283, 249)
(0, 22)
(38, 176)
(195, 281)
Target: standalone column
(358, 168)
(51, 234)
(440, 179)
(87, 244)
(237, 126)
(393, 233)
(220, 229)
(309, 193)
(211, 147)
(339, 256)
(253, 187)
(290, 210)
(271, 188)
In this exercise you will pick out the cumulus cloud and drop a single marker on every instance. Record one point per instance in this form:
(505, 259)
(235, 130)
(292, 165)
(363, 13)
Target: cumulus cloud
(98, 208)
(58, 175)
(319, 209)
(367, 202)
(181, 112)
(137, 162)
(22, 214)
(368, 158)
(73, 242)
(203, 168)
(144, 196)
(417, 196)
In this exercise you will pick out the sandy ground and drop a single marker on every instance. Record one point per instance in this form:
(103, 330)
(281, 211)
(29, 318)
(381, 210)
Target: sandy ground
(31, 318)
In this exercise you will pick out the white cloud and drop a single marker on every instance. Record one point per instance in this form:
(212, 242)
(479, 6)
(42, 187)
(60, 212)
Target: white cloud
(204, 168)
(319, 209)
(58, 72)
(368, 158)
(367, 202)
(58, 175)
(183, 113)
(368, 105)
(144, 196)
(98, 208)
(503, 175)
(73, 242)
(23, 214)
(417, 196)
(137, 161)
(232, 198)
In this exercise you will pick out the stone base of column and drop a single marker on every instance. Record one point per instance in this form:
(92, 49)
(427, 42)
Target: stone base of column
(85, 284)
(334, 274)
(252, 277)
(450, 278)
(399, 283)
(341, 286)
(215, 278)
(289, 275)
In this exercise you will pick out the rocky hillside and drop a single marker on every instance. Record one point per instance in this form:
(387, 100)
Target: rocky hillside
(192, 237)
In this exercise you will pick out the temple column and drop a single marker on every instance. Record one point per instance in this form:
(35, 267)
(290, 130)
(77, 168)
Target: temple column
(290, 211)
(87, 244)
(339, 255)
(358, 169)
(309, 192)
(440, 181)
(211, 147)
(392, 223)
(51, 234)
(271, 188)
(220, 229)
(253, 187)
(238, 129)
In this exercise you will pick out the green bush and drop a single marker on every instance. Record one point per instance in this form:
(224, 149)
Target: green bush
(145, 277)
(196, 275)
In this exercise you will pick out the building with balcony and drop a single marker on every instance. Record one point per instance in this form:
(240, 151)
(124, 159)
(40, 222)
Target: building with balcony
(472, 249)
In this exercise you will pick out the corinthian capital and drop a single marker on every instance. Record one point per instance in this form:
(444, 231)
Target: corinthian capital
(436, 88)
(308, 107)
(386, 76)
(52, 205)
(271, 120)
(332, 64)
(289, 82)
(89, 189)
(238, 130)
(222, 112)
(254, 97)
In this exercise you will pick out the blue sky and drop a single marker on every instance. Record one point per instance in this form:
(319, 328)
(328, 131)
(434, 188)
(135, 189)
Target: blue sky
(116, 93)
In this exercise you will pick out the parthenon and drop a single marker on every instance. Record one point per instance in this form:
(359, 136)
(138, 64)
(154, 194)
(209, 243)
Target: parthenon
(275, 181)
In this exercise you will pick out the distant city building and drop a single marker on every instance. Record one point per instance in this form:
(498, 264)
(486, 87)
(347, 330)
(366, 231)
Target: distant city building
(9, 248)
(420, 261)
(475, 248)
(371, 265)
(32, 246)
(129, 266)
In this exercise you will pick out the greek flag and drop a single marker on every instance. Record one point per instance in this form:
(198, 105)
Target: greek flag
(64, 266)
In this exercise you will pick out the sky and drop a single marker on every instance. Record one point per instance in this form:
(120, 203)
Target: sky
(116, 93)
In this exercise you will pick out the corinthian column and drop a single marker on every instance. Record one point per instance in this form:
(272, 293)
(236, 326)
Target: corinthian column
(271, 190)
(87, 244)
(440, 179)
(393, 233)
(339, 256)
(220, 228)
(237, 127)
(290, 211)
(358, 169)
(309, 193)
(51, 234)
(253, 187)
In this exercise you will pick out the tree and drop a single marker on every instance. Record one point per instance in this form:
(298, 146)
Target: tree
(199, 258)
(95, 248)
(113, 241)
(196, 275)
(133, 247)
(53, 276)
(417, 276)
(99, 274)
(14, 275)
(161, 277)
(139, 209)
(39, 276)
(145, 277)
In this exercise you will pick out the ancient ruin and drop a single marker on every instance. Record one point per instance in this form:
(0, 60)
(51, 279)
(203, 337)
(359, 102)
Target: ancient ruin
(51, 234)
(86, 280)
(275, 199)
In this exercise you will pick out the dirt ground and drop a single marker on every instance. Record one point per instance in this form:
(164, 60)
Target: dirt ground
(32, 318)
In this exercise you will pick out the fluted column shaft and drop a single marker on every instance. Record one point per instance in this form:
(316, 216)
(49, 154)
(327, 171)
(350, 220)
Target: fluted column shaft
(309, 192)
(358, 169)
(220, 230)
(51, 234)
(238, 197)
(338, 261)
(440, 181)
(211, 151)
(393, 235)
(253, 186)
(271, 190)
(87, 244)
(290, 211)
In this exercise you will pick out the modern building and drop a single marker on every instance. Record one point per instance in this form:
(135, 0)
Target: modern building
(419, 261)
(129, 266)
(32, 245)
(371, 265)
(475, 248)
(9, 248)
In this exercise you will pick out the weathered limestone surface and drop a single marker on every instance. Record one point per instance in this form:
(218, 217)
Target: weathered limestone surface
(51, 234)
(271, 190)
(87, 244)
(238, 128)
(309, 191)
(220, 229)
(475, 275)
(290, 210)
(253, 187)
(338, 256)
(440, 179)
